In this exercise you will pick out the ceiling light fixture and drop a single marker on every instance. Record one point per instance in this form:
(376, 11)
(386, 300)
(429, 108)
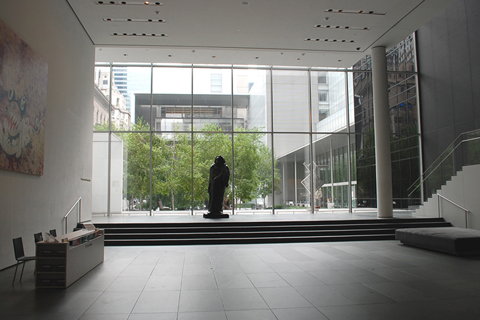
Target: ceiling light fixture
(134, 3)
(370, 12)
(134, 20)
(134, 34)
(329, 40)
(340, 27)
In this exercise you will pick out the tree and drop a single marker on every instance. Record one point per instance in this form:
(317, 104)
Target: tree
(207, 145)
(137, 155)
(247, 159)
(264, 173)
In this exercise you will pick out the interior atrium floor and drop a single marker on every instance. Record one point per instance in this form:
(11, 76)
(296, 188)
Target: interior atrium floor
(335, 281)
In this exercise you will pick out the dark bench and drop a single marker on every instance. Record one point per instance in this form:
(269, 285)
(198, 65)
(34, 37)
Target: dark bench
(452, 240)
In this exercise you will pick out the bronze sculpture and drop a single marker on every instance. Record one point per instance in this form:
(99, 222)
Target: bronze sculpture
(218, 182)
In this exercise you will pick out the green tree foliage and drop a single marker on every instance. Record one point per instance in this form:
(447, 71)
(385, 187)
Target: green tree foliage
(173, 180)
(264, 172)
(137, 156)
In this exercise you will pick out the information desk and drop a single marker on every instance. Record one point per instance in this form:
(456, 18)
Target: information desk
(59, 264)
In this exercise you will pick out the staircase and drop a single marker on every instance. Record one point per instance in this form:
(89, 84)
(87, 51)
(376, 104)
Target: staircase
(224, 232)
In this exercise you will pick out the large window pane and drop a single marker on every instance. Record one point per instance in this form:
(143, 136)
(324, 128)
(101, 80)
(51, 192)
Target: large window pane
(291, 102)
(328, 101)
(295, 172)
(207, 146)
(250, 99)
(171, 172)
(136, 172)
(212, 100)
(253, 188)
(101, 100)
(172, 99)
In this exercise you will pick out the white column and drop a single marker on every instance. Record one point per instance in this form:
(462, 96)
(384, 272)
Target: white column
(383, 160)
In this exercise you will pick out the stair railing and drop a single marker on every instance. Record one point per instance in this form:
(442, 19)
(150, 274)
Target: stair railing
(455, 204)
(79, 213)
(444, 167)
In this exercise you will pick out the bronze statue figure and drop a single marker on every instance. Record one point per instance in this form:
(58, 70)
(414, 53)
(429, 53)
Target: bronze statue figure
(218, 182)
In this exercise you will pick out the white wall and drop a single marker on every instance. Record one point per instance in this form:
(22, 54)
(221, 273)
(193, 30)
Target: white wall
(100, 174)
(463, 189)
(29, 203)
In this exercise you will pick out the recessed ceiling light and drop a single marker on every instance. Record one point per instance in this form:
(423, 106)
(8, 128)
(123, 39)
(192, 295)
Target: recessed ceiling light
(137, 3)
(340, 27)
(134, 34)
(134, 20)
(328, 40)
(355, 11)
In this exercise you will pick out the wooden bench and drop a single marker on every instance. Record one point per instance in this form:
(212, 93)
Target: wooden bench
(452, 240)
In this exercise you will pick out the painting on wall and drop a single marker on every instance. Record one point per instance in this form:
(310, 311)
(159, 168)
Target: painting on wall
(23, 99)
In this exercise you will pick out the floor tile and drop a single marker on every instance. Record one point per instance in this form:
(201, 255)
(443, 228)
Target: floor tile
(200, 300)
(242, 299)
(251, 315)
(346, 313)
(267, 280)
(210, 315)
(399, 292)
(114, 302)
(233, 281)
(104, 317)
(283, 297)
(361, 294)
(299, 314)
(171, 282)
(199, 282)
(153, 316)
(295, 279)
(321, 296)
(128, 284)
(157, 302)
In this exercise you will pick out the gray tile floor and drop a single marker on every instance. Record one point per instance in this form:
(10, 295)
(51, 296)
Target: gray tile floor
(336, 281)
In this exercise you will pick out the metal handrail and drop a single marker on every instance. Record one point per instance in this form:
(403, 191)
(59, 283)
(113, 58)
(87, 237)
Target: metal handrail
(65, 217)
(456, 204)
(448, 151)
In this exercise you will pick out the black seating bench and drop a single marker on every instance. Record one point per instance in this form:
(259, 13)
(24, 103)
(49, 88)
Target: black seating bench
(452, 240)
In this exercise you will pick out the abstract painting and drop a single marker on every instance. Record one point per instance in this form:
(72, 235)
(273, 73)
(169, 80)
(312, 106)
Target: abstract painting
(23, 101)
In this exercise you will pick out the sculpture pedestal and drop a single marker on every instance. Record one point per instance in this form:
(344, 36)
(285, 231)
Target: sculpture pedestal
(216, 216)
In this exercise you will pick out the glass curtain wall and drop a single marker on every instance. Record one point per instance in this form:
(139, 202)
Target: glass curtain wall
(296, 140)
(404, 127)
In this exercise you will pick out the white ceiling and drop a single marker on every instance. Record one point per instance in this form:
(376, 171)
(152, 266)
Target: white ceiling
(250, 32)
